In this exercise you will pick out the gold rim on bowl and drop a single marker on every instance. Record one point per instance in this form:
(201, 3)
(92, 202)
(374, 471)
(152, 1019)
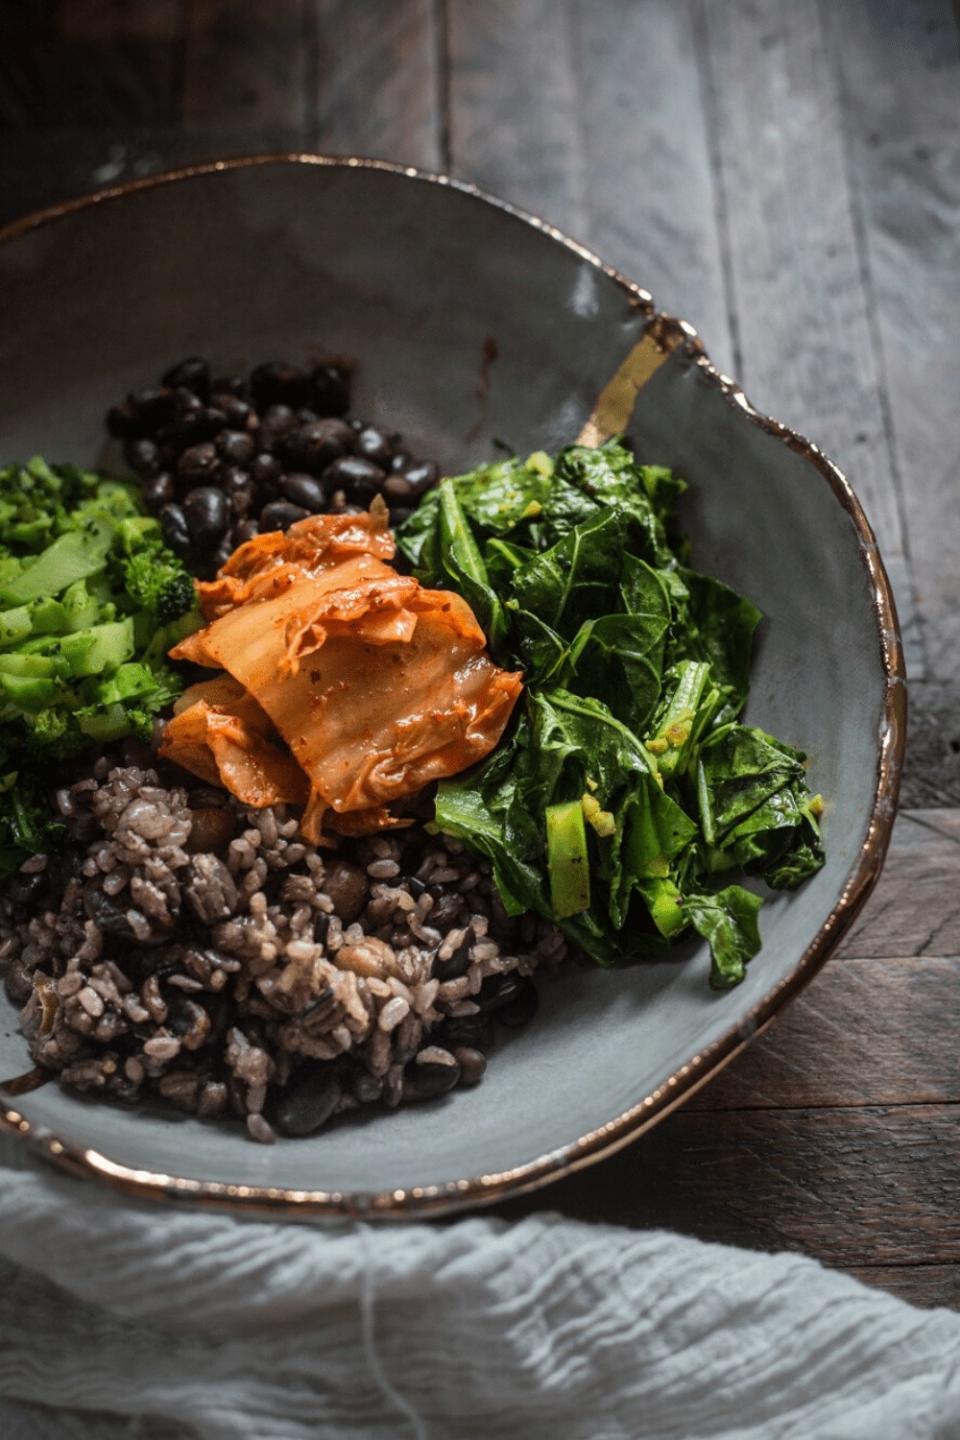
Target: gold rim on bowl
(663, 335)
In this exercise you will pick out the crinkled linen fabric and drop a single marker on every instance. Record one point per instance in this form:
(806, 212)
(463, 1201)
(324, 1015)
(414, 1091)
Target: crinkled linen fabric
(150, 1323)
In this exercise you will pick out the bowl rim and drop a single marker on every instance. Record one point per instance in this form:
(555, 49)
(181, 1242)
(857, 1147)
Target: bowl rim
(668, 333)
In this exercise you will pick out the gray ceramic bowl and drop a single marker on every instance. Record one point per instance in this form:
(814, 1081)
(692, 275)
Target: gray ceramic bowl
(469, 322)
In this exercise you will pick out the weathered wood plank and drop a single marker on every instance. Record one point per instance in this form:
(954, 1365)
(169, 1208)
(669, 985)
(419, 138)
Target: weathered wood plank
(801, 306)
(866, 1032)
(514, 98)
(107, 20)
(648, 182)
(900, 73)
(246, 65)
(108, 64)
(923, 1285)
(378, 80)
(604, 134)
(915, 909)
(37, 18)
(931, 775)
(865, 1187)
(42, 167)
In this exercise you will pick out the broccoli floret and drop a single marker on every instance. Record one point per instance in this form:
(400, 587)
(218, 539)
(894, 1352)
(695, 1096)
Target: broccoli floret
(156, 581)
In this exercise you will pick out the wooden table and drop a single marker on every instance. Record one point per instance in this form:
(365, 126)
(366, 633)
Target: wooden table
(786, 175)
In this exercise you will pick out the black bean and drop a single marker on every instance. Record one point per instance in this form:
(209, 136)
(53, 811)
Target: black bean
(308, 1103)
(278, 419)
(199, 463)
(424, 1079)
(473, 1030)
(229, 385)
(192, 373)
(473, 1064)
(173, 527)
(522, 1008)
(373, 445)
(239, 415)
(151, 407)
(359, 478)
(397, 487)
(422, 476)
(498, 990)
(321, 927)
(367, 1089)
(192, 428)
(185, 402)
(248, 530)
(265, 470)
(238, 488)
(142, 455)
(458, 963)
(415, 885)
(401, 461)
(278, 383)
(331, 390)
(237, 446)
(347, 886)
(121, 421)
(305, 416)
(108, 913)
(312, 447)
(221, 555)
(208, 515)
(280, 515)
(303, 490)
(157, 492)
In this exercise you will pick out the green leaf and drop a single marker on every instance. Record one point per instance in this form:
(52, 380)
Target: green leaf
(575, 579)
(462, 565)
(728, 921)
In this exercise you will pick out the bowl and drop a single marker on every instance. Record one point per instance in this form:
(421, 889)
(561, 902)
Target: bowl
(470, 323)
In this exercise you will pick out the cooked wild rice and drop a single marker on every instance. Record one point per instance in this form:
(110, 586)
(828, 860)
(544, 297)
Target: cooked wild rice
(193, 949)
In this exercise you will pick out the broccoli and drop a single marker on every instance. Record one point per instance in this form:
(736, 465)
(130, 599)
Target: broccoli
(91, 601)
(156, 581)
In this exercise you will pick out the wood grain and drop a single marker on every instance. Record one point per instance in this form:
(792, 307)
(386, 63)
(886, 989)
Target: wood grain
(864, 1032)
(246, 65)
(377, 80)
(900, 70)
(931, 775)
(648, 180)
(107, 64)
(513, 129)
(798, 290)
(859, 1186)
(915, 909)
(622, 163)
(923, 1285)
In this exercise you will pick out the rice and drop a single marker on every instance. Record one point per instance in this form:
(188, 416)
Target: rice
(188, 949)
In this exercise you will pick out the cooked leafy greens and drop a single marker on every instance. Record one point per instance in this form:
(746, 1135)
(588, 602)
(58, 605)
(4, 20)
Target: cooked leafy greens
(90, 601)
(628, 791)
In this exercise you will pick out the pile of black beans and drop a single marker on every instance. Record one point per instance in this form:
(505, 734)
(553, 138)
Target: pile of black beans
(221, 459)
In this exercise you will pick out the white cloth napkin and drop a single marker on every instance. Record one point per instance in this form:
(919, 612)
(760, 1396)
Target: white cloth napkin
(134, 1320)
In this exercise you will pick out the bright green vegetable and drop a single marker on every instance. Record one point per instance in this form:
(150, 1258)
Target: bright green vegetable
(636, 670)
(90, 601)
(568, 862)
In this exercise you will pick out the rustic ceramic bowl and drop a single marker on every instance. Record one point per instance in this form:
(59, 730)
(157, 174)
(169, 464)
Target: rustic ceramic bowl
(470, 322)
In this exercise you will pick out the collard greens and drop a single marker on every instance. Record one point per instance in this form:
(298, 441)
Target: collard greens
(628, 795)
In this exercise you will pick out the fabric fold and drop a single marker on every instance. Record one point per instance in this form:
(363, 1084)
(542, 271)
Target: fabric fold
(183, 1322)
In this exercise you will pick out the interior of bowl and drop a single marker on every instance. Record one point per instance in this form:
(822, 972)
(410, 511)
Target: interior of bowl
(469, 326)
